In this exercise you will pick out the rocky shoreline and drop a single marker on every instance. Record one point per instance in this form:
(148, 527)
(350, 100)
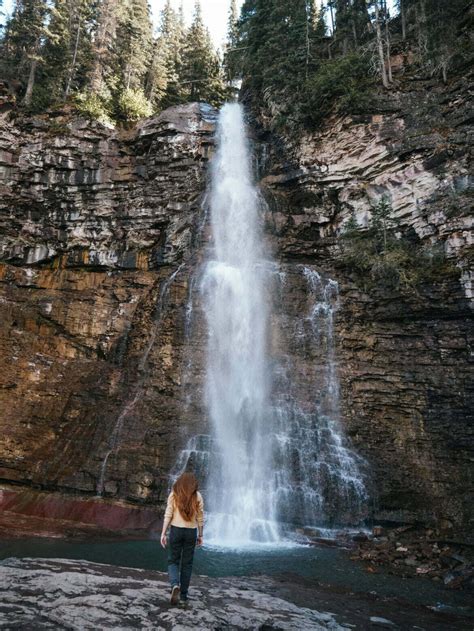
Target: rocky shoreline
(406, 551)
(67, 594)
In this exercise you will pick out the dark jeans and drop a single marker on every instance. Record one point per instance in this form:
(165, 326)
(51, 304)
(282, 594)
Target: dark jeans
(182, 542)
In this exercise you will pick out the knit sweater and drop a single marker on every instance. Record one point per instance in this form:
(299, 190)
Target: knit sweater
(172, 512)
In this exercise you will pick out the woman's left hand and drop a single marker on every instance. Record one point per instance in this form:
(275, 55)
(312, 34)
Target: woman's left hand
(163, 540)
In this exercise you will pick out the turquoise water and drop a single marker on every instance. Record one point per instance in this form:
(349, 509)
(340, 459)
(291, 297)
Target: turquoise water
(326, 565)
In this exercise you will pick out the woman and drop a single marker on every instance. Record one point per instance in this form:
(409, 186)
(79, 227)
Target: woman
(185, 513)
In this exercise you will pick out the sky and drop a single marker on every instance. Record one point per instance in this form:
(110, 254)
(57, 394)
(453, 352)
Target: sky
(214, 13)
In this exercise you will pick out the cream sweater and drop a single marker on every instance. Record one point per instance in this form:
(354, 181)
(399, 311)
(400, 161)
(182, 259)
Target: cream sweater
(172, 512)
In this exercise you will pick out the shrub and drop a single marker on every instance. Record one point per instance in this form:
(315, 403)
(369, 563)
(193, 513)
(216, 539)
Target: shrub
(94, 106)
(133, 105)
(379, 259)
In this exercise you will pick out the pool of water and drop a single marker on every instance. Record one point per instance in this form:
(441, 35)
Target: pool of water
(327, 565)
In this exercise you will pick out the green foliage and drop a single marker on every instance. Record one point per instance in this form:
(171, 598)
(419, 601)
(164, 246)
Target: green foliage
(342, 85)
(381, 259)
(231, 56)
(133, 45)
(302, 60)
(133, 105)
(103, 57)
(437, 28)
(285, 64)
(158, 83)
(201, 75)
(21, 51)
(94, 106)
(351, 226)
(164, 87)
(67, 49)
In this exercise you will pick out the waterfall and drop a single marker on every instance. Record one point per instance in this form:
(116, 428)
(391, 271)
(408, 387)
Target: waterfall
(276, 455)
(235, 303)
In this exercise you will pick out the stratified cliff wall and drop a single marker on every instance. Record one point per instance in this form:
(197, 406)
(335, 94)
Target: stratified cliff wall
(405, 357)
(101, 333)
(97, 239)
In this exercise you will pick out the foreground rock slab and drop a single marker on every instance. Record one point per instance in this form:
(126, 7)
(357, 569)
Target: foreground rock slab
(65, 594)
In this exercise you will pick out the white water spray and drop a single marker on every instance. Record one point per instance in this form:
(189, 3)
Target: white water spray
(271, 461)
(240, 484)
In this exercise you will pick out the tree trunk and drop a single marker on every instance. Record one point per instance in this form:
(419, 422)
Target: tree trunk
(74, 59)
(444, 71)
(332, 19)
(380, 46)
(307, 47)
(105, 33)
(330, 45)
(31, 82)
(354, 33)
(387, 41)
(403, 19)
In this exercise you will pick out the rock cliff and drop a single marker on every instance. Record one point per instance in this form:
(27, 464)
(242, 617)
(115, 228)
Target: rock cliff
(102, 233)
(96, 228)
(404, 356)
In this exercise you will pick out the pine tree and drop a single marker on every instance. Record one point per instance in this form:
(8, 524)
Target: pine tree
(201, 76)
(22, 46)
(103, 40)
(67, 49)
(156, 83)
(380, 49)
(231, 56)
(133, 45)
(173, 34)
(442, 44)
(276, 37)
(351, 227)
(382, 220)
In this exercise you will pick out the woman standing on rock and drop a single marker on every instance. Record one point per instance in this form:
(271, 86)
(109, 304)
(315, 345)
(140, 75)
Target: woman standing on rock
(185, 513)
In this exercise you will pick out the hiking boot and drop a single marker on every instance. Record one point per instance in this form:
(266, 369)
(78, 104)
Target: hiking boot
(174, 595)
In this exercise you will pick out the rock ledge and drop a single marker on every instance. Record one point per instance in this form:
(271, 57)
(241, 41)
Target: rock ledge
(65, 594)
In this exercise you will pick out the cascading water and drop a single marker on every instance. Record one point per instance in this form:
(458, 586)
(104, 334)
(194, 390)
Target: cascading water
(240, 485)
(320, 480)
(276, 455)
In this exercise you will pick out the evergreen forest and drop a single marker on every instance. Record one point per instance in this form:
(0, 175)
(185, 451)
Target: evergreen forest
(296, 62)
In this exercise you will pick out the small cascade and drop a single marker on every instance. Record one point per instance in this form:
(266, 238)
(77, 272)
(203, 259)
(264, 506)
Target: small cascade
(114, 439)
(319, 477)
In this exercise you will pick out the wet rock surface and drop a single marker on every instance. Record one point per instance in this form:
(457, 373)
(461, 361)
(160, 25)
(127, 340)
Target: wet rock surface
(102, 334)
(63, 594)
(95, 224)
(79, 595)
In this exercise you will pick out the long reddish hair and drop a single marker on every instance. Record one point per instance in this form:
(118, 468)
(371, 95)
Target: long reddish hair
(185, 495)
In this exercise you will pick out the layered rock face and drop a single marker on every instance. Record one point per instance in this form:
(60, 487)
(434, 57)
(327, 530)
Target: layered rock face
(404, 357)
(102, 334)
(97, 243)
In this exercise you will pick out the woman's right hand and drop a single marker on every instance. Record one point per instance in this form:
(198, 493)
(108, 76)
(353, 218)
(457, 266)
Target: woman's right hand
(200, 541)
(164, 539)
